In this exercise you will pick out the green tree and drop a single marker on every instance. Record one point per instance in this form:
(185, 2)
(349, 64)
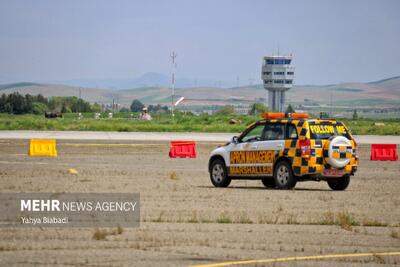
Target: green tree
(257, 108)
(96, 107)
(157, 108)
(17, 103)
(69, 104)
(3, 102)
(77, 104)
(55, 103)
(39, 108)
(41, 99)
(28, 103)
(290, 109)
(355, 115)
(124, 109)
(64, 108)
(8, 108)
(136, 106)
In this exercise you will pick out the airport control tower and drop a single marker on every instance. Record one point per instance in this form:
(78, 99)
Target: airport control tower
(277, 75)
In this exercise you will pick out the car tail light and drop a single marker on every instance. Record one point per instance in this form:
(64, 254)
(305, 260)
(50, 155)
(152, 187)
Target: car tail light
(305, 147)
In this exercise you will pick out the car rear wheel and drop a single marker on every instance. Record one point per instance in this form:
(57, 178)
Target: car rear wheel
(218, 174)
(283, 176)
(339, 184)
(268, 182)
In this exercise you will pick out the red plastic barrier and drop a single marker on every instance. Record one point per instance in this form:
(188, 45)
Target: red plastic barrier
(182, 149)
(384, 152)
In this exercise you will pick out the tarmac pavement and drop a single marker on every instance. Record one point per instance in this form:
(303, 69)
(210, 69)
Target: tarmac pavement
(160, 136)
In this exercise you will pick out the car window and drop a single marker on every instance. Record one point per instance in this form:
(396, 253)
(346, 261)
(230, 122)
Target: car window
(274, 132)
(292, 132)
(254, 134)
(325, 131)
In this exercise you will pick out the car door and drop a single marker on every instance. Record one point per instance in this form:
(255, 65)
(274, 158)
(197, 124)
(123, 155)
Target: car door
(273, 141)
(245, 158)
(274, 136)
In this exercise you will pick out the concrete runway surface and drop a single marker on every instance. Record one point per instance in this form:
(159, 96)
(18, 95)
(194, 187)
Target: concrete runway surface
(186, 221)
(160, 136)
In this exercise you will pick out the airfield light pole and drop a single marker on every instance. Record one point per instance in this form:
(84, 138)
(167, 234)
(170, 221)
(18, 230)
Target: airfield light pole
(173, 56)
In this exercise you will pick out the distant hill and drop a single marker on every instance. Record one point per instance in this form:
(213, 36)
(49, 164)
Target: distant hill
(16, 85)
(390, 83)
(149, 79)
(383, 93)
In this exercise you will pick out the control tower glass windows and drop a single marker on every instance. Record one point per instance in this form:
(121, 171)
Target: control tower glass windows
(278, 81)
(288, 81)
(267, 81)
(266, 72)
(278, 61)
(279, 73)
(290, 73)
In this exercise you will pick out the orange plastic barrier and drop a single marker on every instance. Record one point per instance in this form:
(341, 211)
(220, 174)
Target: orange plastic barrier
(384, 152)
(182, 149)
(42, 147)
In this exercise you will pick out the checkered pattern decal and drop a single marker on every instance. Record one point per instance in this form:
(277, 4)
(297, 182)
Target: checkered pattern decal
(292, 150)
(316, 163)
(342, 152)
(302, 165)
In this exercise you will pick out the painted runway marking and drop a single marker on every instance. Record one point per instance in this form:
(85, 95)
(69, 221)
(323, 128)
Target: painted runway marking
(303, 258)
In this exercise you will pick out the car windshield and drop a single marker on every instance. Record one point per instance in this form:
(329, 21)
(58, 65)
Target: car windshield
(326, 130)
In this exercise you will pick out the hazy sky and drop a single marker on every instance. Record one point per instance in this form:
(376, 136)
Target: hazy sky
(332, 41)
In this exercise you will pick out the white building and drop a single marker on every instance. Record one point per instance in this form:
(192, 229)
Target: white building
(277, 75)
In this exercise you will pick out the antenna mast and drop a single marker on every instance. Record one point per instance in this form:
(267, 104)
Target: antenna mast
(173, 57)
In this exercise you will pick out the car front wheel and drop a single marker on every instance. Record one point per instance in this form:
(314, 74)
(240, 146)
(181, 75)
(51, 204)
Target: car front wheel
(283, 176)
(218, 174)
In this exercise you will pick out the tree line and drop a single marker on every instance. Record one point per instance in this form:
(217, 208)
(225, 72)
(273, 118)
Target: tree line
(137, 106)
(16, 103)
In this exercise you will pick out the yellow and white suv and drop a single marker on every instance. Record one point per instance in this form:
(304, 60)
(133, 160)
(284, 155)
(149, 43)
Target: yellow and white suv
(283, 149)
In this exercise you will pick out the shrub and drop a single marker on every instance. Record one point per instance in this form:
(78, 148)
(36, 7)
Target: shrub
(39, 108)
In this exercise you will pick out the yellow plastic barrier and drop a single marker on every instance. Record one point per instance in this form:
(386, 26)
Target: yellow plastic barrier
(42, 148)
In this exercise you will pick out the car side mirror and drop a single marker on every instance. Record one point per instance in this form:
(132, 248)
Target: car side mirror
(235, 139)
